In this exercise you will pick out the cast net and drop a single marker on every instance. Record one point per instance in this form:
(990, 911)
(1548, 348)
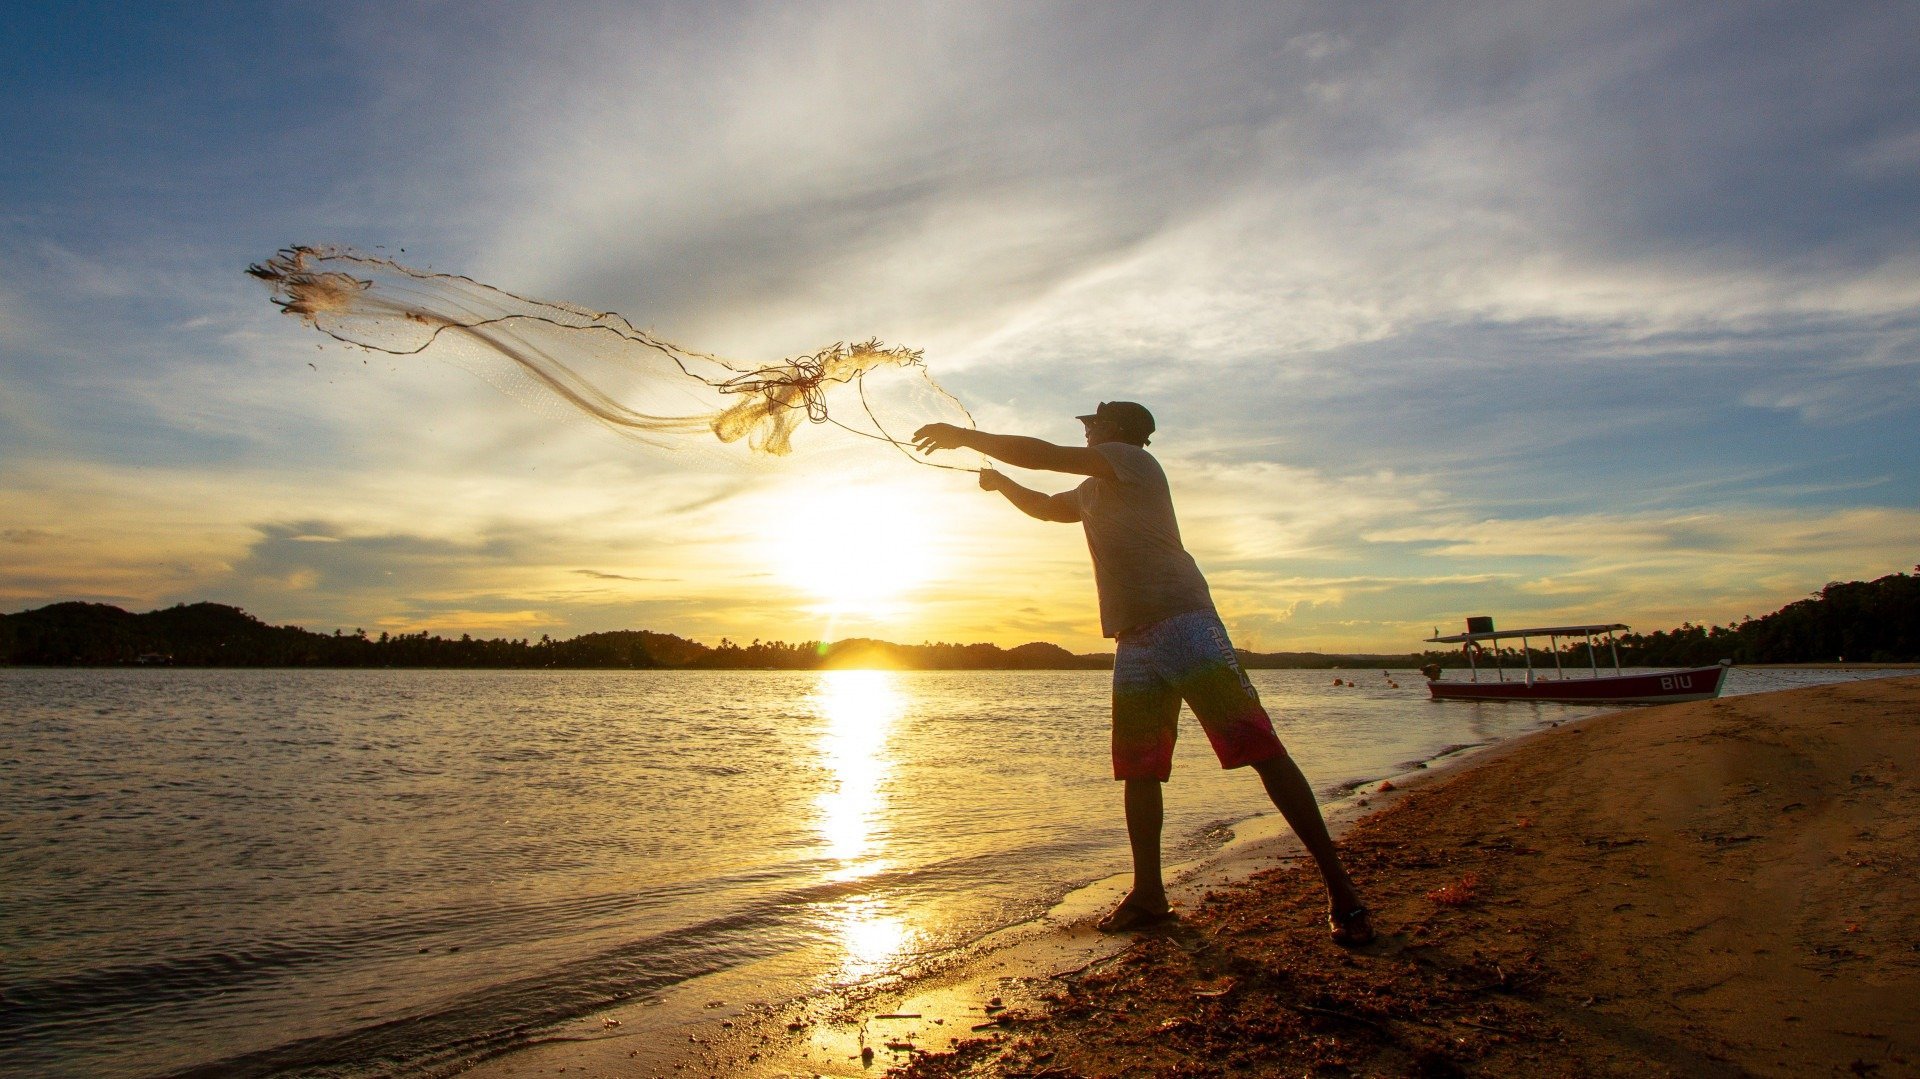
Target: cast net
(598, 365)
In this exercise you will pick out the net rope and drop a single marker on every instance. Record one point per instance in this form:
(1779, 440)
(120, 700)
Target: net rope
(601, 366)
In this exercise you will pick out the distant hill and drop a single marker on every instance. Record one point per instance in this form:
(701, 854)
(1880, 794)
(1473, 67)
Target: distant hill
(199, 634)
(1863, 621)
(215, 635)
(1037, 656)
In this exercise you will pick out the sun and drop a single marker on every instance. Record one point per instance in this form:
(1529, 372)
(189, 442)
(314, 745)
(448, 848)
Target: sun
(858, 550)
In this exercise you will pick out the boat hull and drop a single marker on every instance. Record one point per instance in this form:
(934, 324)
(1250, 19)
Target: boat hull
(1658, 687)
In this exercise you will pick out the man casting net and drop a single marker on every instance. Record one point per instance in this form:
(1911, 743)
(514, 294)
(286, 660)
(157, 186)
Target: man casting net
(598, 365)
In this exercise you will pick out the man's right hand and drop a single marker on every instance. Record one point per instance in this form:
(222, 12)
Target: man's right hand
(993, 481)
(939, 436)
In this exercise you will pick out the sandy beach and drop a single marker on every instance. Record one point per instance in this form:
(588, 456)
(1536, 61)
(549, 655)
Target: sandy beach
(1713, 889)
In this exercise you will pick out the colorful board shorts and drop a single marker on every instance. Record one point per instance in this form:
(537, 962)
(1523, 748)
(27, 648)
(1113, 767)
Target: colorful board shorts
(1185, 657)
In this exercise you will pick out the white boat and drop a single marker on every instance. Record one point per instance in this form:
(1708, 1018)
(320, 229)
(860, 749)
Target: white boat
(1563, 685)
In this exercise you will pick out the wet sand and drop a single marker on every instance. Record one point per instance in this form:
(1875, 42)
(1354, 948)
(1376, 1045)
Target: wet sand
(1722, 888)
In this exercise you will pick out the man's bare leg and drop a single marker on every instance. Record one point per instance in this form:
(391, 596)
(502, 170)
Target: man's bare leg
(1144, 818)
(1147, 902)
(1294, 798)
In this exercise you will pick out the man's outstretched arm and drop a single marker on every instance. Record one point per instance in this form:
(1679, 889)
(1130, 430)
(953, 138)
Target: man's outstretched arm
(1016, 450)
(1036, 504)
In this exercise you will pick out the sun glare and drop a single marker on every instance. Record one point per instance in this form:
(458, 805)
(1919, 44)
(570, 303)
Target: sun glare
(860, 708)
(857, 550)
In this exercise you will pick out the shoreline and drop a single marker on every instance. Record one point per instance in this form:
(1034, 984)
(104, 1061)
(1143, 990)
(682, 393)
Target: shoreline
(1735, 895)
(1546, 915)
(954, 997)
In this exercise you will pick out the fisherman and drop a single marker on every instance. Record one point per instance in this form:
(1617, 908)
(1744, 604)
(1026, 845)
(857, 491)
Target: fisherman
(1170, 645)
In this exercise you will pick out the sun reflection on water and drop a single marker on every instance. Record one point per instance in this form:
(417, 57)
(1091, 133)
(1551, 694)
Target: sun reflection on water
(860, 709)
(870, 937)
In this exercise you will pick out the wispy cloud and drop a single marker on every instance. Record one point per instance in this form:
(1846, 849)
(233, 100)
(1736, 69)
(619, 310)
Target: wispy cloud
(598, 575)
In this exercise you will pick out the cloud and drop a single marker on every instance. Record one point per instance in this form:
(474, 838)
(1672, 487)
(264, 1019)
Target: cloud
(1423, 296)
(18, 326)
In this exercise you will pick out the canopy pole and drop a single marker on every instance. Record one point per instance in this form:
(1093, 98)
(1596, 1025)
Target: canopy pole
(1615, 649)
(1593, 657)
(1553, 642)
(1526, 653)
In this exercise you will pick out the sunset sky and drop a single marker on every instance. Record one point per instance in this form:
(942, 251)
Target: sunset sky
(1550, 311)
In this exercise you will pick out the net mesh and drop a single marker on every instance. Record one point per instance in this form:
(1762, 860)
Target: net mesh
(600, 366)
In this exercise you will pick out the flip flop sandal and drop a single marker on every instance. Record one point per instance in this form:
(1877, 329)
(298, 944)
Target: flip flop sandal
(1127, 918)
(1352, 929)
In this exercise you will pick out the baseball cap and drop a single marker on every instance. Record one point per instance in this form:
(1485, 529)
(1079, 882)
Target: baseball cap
(1132, 419)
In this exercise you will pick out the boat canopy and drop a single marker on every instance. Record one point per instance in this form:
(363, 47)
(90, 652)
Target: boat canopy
(1548, 631)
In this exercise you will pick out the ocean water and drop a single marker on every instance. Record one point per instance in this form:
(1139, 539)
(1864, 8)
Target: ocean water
(348, 873)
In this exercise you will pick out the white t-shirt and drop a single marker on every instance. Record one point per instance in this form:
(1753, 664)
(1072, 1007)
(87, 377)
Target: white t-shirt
(1141, 570)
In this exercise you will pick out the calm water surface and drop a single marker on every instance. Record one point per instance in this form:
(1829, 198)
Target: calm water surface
(365, 872)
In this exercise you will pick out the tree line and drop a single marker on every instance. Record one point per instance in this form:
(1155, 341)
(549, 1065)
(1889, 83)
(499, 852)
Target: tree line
(1861, 621)
(1852, 621)
(216, 635)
